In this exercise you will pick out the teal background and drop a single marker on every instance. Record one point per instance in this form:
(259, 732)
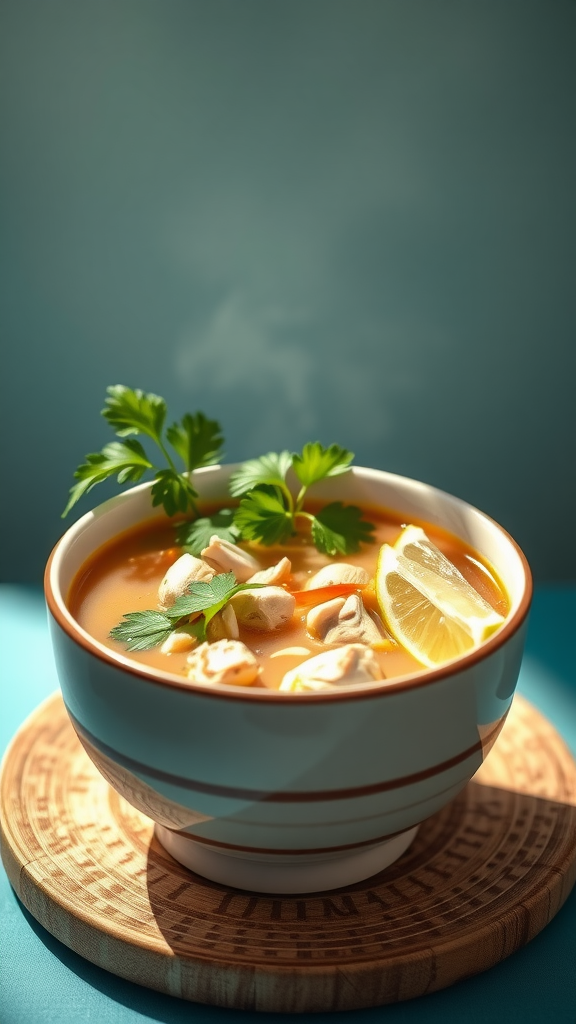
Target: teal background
(350, 220)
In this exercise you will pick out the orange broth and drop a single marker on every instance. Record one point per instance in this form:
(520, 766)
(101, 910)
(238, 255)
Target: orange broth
(124, 576)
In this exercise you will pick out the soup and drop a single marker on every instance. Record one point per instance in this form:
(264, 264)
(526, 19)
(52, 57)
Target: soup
(125, 576)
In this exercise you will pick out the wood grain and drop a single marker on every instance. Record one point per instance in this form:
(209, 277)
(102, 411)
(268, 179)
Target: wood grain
(483, 877)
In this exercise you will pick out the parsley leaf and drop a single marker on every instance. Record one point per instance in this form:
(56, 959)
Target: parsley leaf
(339, 529)
(209, 598)
(173, 491)
(316, 463)
(210, 612)
(262, 516)
(203, 595)
(131, 411)
(268, 469)
(142, 630)
(127, 459)
(197, 440)
(268, 511)
(194, 537)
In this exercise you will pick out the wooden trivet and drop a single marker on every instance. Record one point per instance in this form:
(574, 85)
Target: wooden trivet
(482, 878)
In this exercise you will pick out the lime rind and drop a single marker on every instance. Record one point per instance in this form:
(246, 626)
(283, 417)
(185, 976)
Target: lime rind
(452, 593)
(443, 615)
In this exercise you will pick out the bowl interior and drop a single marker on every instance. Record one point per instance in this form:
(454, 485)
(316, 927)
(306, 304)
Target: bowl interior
(365, 487)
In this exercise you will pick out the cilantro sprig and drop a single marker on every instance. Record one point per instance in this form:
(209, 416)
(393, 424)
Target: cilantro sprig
(141, 631)
(268, 512)
(195, 440)
(195, 536)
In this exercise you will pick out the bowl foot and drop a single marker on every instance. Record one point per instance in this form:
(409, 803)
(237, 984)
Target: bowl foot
(283, 873)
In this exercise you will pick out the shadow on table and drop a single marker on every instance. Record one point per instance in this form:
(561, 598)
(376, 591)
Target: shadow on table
(482, 878)
(514, 991)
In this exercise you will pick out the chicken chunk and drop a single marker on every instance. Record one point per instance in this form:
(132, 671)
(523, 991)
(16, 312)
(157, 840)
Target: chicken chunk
(184, 571)
(344, 620)
(263, 609)
(180, 641)
(225, 661)
(223, 625)
(338, 572)
(343, 666)
(279, 573)
(223, 556)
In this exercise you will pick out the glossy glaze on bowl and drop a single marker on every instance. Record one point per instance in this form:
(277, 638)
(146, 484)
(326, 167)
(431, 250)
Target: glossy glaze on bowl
(282, 779)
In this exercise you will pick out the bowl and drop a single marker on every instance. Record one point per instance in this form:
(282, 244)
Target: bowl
(277, 792)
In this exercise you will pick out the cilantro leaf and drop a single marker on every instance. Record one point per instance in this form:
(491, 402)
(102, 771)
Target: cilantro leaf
(197, 440)
(209, 613)
(262, 516)
(127, 459)
(209, 598)
(173, 491)
(131, 411)
(203, 595)
(194, 537)
(340, 529)
(316, 463)
(267, 511)
(268, 469)
(142, 630)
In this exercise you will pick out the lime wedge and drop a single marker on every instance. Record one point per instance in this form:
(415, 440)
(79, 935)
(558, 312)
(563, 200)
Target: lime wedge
(427, 604)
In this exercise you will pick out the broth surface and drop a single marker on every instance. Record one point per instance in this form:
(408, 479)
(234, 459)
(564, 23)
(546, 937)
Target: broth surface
(125, 573)
(124, 576)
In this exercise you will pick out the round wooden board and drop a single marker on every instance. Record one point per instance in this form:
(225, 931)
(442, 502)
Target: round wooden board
(483, 876)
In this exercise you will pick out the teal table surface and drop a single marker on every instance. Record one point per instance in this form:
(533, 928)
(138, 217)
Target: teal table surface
(43, 982)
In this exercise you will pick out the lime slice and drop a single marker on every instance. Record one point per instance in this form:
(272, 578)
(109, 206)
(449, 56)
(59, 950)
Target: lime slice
(427, 604)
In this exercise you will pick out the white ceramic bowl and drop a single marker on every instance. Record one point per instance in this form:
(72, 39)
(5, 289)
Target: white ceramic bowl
(283, 792)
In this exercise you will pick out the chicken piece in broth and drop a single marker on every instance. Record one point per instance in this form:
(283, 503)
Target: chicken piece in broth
(339, 572)
(279, 573)
(268, 608)
(224, 556)
(343, 666)
(344, 620)
(225, 661)
(185, 570)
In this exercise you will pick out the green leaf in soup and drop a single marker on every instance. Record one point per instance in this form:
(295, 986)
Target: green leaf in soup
(209, 613)
(340, 529)
(126, 459)
(131, 411)
(268, 469)
(203, 595)
(262, 516)
(173, 491)
(316, 463)
(197, 440)
(140, 631)
(194, 537)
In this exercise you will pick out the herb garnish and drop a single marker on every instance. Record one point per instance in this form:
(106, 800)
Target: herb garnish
(194, 537)
(267, 513)
(195, 439)
(141, 631)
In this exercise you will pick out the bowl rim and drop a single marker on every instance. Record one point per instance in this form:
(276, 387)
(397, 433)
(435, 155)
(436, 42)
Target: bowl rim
(387, 687)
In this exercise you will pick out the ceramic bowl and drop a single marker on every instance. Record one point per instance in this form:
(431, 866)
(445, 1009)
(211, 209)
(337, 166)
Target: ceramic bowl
(283, 792)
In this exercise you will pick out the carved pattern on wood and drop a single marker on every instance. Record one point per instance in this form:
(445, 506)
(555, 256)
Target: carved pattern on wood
(483, 876)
